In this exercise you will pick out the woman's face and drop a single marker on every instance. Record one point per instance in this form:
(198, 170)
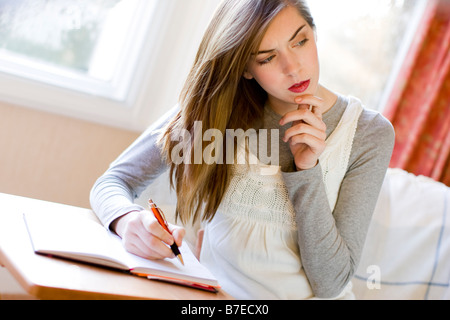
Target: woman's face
(286, 65)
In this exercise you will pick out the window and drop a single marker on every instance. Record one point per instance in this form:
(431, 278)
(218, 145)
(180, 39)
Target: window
(123, 62)
(362, 43)
(83, 45)
(117, 62)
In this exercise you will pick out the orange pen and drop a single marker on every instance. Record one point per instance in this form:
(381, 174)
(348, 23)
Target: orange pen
(159, 215)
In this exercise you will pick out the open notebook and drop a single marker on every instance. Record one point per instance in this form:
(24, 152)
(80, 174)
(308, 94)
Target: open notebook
(83, 239)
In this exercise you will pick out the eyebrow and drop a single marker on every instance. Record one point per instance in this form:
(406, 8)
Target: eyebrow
(293, 37)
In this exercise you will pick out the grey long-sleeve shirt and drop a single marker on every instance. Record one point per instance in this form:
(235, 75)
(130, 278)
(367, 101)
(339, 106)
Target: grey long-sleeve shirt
(330, 243)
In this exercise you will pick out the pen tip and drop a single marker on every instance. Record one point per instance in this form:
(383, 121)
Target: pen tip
(181, 259)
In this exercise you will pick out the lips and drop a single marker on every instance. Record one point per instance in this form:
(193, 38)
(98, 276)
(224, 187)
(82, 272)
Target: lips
(300, 87)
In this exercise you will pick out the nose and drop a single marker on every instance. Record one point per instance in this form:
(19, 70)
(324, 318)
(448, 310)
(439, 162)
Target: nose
(291, 64)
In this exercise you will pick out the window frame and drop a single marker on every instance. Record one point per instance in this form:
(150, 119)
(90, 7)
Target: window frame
(403, 51)
(136, 96)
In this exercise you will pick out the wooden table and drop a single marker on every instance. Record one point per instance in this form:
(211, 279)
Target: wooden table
(52, 278)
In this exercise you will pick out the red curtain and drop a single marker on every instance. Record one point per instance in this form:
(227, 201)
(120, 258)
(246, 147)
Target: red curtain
(419, 105)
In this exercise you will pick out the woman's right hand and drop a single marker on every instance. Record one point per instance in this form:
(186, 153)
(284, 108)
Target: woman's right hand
(143, 236)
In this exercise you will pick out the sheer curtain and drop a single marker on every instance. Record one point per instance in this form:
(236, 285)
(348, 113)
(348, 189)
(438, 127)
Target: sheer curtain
(419, 105)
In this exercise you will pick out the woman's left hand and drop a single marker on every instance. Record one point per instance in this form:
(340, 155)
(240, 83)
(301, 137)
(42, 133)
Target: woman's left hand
(307, 135)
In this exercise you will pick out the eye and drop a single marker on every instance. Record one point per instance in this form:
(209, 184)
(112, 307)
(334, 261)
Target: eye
(266, 61)
(302, 43)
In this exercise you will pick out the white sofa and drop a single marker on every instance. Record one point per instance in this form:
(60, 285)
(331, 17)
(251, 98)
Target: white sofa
(407, 252)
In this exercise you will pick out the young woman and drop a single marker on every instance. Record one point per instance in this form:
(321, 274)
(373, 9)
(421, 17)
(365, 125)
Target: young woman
(295, 231)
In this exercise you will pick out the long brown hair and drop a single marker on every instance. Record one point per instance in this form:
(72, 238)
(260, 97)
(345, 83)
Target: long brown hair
(217, 94)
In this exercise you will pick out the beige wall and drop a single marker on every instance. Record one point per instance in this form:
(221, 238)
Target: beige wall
(54, 158)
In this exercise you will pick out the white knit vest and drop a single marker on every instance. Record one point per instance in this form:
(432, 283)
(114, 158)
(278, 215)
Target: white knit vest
(334, 160)
(251, 244)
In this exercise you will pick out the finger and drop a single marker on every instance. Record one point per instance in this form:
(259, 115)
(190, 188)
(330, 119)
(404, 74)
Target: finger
(141, 242)
(304, 128)
(133, 243)
(178, 234)
(152, 225)
(305, 107)
(198, 245)
(317, 112)
(315, 104)
(153, 245)
(141, 250)
(310, 100)
(316, 145)
(303, 114)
